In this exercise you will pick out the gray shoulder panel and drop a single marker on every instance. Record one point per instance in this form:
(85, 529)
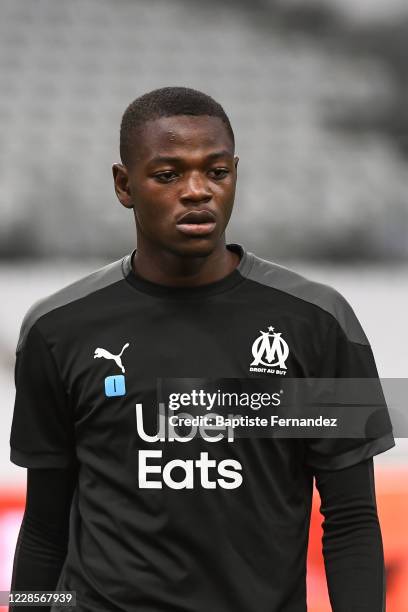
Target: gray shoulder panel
(329, 299)
(103, 277)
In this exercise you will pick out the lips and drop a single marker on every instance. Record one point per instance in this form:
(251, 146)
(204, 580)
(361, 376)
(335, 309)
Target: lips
(197, 217)
(196, 223)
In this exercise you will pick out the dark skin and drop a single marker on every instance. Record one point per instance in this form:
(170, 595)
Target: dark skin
(202, 174)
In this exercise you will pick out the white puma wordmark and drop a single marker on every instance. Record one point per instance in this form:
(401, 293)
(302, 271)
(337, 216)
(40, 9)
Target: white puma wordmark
(101, 352)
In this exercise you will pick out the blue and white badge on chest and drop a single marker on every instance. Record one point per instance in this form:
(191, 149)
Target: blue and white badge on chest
(115, 384)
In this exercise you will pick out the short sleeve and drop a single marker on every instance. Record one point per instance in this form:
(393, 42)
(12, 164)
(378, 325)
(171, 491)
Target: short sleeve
(42, 430)
(347, 354)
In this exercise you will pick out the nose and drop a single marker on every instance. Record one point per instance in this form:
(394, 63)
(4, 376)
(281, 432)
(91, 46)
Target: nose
(196, 189)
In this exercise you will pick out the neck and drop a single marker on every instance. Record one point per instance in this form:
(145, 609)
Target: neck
(168, 268)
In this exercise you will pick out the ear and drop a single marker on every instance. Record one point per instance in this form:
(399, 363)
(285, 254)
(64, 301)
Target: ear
(121, 184)
(236, 160)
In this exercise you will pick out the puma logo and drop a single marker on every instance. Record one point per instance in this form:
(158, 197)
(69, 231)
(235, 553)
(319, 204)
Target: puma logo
(101, 352)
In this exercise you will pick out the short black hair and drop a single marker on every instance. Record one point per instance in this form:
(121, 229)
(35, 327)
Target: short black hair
(166, 102)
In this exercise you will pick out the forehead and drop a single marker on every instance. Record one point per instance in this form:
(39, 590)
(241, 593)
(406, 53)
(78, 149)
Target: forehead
(182, 135)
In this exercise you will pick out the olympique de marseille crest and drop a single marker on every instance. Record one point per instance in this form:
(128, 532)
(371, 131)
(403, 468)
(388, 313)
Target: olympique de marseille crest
(270, 350)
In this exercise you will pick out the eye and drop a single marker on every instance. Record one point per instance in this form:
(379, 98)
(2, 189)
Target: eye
(165, 176)
(219, 173)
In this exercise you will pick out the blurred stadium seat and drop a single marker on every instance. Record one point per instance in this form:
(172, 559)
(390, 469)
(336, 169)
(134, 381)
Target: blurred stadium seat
(306, 187)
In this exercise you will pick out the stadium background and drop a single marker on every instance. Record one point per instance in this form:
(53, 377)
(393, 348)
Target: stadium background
(317, 95)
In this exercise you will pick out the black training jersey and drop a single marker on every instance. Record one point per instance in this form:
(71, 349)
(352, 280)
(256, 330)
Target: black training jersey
(184, 518)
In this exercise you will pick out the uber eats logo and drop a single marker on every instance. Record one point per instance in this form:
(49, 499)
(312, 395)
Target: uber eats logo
(203, 471)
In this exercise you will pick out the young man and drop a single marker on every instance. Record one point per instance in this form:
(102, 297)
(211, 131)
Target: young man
(187, 521)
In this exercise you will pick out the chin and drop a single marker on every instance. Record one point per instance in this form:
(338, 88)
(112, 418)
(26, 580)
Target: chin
(197, 247)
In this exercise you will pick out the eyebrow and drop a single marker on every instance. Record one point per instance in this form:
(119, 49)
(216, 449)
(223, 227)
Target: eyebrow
(174, 159)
